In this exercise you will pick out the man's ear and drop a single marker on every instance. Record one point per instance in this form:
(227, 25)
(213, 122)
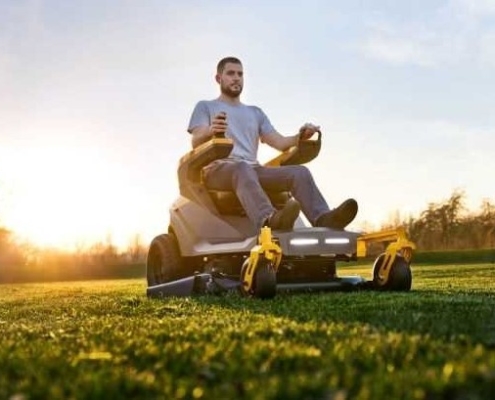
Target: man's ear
(217, 78)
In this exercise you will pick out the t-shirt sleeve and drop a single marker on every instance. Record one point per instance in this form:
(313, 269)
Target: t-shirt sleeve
(265, 125)
(200, 116)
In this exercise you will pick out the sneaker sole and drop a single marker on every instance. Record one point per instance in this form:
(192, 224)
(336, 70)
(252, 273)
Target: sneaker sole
(346, 213)
(290, 214)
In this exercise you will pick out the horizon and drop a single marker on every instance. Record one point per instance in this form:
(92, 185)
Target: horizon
(395, 219)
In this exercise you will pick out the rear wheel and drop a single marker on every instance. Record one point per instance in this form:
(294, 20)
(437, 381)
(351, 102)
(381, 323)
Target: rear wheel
(265, 280)
(399, 277)
(164, 263)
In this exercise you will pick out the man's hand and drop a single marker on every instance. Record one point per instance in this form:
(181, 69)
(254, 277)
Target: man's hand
(218, 125)
(307, 131)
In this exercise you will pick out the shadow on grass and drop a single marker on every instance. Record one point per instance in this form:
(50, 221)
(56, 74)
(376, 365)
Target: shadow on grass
(458, 315)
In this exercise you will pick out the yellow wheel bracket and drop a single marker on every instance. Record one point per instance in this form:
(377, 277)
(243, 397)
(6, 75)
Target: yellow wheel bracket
(265, 249)
(401, 246)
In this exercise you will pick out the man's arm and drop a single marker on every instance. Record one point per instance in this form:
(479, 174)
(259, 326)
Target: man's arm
(280, 142)
(283, 143)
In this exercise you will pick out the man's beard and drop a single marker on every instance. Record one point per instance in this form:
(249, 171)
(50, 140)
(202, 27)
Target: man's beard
(226, 90)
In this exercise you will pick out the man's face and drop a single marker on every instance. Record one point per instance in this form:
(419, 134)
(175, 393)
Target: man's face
(231, 80)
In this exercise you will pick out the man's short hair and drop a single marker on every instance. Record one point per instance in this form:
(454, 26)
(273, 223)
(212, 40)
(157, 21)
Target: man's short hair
(221, 64)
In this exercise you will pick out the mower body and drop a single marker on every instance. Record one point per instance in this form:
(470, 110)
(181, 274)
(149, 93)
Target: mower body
(211, 246)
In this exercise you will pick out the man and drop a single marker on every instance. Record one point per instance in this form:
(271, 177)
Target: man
(242, 173)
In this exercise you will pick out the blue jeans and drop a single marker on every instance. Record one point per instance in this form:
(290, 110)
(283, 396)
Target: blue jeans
(248, 182)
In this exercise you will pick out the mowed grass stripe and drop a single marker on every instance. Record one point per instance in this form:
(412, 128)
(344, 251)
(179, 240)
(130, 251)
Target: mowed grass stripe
(105, 339)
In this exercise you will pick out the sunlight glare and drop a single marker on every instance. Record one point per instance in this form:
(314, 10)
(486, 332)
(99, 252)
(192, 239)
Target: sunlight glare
(67, 196)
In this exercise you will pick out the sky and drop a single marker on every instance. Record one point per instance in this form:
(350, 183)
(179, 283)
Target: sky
(96, 97)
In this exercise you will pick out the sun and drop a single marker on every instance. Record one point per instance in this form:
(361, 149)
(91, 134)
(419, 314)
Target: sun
(67, 196)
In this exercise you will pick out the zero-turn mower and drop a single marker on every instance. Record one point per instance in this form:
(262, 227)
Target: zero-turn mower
(212, 247)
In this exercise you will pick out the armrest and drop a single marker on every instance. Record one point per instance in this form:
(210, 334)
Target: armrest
(190, 165)
(305, 151)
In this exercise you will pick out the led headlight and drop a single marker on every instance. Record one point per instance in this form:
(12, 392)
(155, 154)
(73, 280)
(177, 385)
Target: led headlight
(303, 241)
(336, 241)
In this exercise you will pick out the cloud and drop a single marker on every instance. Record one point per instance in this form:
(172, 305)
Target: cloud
(415, 43)
(458, 33)
(475, 8)
(397, 50)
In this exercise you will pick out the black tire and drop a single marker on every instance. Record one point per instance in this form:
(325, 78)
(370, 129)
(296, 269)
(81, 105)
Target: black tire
(164, 262)
(399, 277)
(265, 281)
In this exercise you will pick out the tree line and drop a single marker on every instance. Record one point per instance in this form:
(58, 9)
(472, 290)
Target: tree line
(24, 262)
(448, 225)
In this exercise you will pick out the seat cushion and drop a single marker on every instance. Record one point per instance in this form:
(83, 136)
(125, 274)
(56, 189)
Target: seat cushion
(227, 202)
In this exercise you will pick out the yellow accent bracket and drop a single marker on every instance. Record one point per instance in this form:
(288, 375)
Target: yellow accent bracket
(400, 244)
(265, 249)
(278, 160)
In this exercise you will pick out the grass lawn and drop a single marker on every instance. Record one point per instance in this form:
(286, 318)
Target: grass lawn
(106, 340)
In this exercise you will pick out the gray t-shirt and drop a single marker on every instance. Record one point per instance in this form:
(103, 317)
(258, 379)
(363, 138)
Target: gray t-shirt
(246, 124)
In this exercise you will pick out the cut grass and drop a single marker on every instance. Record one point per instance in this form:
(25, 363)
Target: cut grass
(105, 339)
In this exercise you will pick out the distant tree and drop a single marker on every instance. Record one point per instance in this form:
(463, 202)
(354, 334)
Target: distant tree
(4, 239)
(10, 252)
(136, 249)
(487, 221)
(449, 215)
(104, 253)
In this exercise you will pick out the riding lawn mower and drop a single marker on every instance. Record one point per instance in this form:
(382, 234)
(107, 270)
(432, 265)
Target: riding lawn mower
(212, 247)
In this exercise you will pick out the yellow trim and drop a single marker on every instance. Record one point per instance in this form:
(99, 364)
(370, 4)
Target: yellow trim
(265, 249)
(203, 148)
(277, 161)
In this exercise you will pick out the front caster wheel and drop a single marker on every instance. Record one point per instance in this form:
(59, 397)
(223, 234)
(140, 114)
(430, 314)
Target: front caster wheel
(399, 276)
(264, 281)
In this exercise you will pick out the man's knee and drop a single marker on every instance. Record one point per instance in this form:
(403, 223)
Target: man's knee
(301, 171)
